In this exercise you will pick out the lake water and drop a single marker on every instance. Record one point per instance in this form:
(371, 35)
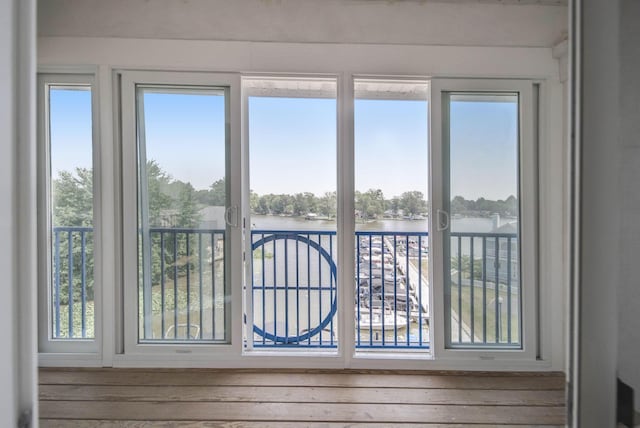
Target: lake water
(465, 224)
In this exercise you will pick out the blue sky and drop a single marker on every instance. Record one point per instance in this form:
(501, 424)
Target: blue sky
(292, 145)
(70, 127)
(185, 135)
(483, 149)
(293, 142)
(391, 146)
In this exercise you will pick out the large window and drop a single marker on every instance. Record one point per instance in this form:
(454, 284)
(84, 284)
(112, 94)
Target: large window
(483, 292)
(355, 219)
(293, 212)
(178, 210)
(68, 280)
(391, 167)
(486, 159)
(182, 198)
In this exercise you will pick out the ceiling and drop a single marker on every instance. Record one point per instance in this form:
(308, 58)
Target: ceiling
(518, 23)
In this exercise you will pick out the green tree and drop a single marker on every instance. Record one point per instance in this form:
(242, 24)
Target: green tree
(187, 207)
(218, 193)
(327, 204)
(482, 206)
(304, 203)
(413, 203)
(262, 206)
(371, 203)
(459, 205)
(160, 200)
(73, 198)
(511, 206)
(393, 204)
(465, 266)
(279, 204)
(254, 202)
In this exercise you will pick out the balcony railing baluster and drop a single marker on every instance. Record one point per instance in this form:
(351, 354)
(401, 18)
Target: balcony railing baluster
(472, 289)
(200, 283)
(188, 265)
(484, 289)
(70, 284)
(459, 248)
(57, 269)
(71, 278)
(509, 290)
(162, 285)
(392, 316)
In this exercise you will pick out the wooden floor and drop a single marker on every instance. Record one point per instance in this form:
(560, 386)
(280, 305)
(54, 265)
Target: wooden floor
(243, 398)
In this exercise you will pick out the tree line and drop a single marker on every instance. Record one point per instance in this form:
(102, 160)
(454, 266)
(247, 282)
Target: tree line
(482, 207)
(175, 203)
(368, 205)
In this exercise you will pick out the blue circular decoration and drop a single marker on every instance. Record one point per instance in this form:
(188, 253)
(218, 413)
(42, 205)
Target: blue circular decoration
(334, 306)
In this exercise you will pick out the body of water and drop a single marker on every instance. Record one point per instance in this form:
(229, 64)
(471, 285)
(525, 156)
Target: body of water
(464, 224)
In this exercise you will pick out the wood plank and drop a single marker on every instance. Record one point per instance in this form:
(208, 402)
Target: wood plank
(308, 412)
(66, 423)
(308, 371)
(269, 394)
(349, 380)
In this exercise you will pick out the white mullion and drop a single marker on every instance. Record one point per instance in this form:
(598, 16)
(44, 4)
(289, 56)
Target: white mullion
(108, 196)
(528, 155)
(129, 213)
(98, 207)
(143, 207)
(234, 265)
(246, 219)
(44, 219)
(436, 238)
(346, 219)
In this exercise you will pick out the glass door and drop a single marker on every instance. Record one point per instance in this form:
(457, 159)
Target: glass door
(484, 215)
(186, 218)
(292, 288)
(391, 144)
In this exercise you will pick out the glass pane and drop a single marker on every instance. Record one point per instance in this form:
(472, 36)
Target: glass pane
(484, 288)
(391, 209)
(71, 186)
(182, 195)
(292, 134)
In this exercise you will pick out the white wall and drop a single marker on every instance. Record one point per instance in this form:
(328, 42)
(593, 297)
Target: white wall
(18, 392)
(467, 23)
(601, 195)
(8, 219)
(629, 285)
(609, 344)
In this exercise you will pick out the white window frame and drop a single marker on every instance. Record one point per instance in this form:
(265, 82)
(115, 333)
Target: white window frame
(46, 343)
(528, 221)
(160, 351)
(249, 351)
(128, 352)
(379, 356)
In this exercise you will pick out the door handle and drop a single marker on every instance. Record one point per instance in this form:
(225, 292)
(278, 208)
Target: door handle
(231, 216)
(443, 220)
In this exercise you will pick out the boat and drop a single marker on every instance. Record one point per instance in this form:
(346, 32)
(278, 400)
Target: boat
(377, 320)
